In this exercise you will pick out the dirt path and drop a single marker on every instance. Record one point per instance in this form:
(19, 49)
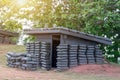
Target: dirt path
(83, 72)
(17, 74)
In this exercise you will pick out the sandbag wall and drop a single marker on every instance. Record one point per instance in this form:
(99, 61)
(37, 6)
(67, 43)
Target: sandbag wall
(36, 56)
(32, 59)
(45, 56)
(72, 55)
(14, 59)
(62, 56)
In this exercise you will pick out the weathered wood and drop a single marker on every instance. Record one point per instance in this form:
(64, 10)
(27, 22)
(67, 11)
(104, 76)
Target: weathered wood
(66, 31)
(5, 36)
(8, 33)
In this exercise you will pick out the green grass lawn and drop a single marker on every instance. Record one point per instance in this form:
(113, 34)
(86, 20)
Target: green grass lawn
(66, 75)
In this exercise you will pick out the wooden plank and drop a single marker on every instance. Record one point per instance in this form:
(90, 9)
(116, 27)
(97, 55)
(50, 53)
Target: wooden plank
(67, 31)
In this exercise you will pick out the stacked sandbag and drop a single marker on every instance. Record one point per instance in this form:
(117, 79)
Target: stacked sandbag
(30, 47)
(90, 54)
(98, 55)
(73, 53)
(45, 55)
(14, 59)
(82, 58)
(32, 59)
(27, 63)
(62, 57)
(38, 53)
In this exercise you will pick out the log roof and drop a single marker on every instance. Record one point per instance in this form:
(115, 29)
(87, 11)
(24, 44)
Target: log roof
(8, 33)
(66, 31)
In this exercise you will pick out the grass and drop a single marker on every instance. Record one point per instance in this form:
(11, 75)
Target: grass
(9, 48)
(67, 75)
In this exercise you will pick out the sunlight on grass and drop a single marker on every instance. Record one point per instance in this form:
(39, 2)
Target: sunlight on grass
(9, 48)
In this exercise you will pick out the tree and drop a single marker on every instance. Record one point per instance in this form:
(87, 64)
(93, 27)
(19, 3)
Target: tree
(108, 25)
(111, 27)
(99, 17)
(8, 16)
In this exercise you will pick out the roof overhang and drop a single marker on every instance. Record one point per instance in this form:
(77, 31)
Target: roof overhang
(70, 32)
(8, 33)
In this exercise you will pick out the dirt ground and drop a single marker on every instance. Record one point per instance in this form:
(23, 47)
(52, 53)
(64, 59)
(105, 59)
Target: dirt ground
(104, 69)
(17, 74)
(83, 72)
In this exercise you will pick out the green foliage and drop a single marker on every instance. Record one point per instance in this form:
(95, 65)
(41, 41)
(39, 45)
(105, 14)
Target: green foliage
(29, 39)
(8, 16)
(12, 25)
(108, 26)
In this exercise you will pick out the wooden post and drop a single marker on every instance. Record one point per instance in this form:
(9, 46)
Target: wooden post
(3, 39)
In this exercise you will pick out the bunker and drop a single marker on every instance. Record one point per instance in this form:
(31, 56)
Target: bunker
(6, 36)
(59, 35)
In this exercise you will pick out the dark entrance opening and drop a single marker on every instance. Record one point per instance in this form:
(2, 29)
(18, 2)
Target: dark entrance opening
(55, 43)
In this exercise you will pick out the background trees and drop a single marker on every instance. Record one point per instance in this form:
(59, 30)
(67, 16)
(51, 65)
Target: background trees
(8, 15)
(99, 17)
